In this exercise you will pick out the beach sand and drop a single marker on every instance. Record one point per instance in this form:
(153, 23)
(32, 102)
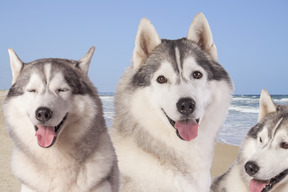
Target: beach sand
(8, 182)
(224, 156)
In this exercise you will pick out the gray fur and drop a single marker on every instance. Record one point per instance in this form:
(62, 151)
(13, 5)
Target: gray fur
(138, 147)
(80, 154)
(69, 68)
(166, 51)
(270, 119)
(237, 170)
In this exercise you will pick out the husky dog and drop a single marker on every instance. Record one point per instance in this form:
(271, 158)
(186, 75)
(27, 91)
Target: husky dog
(262, 163)
(54, 116)
(169, 106)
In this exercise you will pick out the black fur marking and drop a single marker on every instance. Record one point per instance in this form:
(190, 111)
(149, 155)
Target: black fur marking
(69, 68)
(17, 88)
(143, 77)
(166, 52)
(78, 86)
(253, 132)
(271, 119)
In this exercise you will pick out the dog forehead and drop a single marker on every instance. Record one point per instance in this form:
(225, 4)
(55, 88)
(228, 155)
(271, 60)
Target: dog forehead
(273, 123)
(176, 53)
(283, 123)
(182, 53)
(169, 56)
(49, 68)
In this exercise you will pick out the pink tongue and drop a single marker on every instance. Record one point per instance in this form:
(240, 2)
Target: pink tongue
(45, 135)
(257, 186)
(187, 129)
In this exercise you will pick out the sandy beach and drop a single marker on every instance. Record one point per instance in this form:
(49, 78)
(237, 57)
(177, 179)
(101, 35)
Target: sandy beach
(224, 156)
(8, 182)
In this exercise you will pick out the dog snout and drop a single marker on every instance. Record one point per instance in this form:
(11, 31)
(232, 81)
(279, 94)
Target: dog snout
(186, 106)
(43, 114)
(251, 168)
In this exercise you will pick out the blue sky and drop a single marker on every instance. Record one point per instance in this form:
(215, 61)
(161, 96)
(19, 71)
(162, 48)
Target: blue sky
(251, 36)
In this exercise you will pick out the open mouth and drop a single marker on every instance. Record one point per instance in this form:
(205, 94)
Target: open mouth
(46, 135)
(265, 186)
(185, 129)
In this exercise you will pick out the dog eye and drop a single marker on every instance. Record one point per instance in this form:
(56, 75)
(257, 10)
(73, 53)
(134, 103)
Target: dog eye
(197, 75)
(260, 139)
(31, 90)
(62, 90)
(161, 79)
(284, 145)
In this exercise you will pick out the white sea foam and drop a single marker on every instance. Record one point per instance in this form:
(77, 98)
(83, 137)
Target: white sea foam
(283, 101)
(109, 115)
(237, 98)
(106, 98)
(244, 109)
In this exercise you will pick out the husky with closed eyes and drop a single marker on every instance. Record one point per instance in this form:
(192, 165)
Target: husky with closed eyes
(262, 163)
(54, 116)
(169, 106)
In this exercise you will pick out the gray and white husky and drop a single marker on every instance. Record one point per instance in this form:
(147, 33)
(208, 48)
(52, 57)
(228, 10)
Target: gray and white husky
(169, 106)
(262, 163)
(54, 116)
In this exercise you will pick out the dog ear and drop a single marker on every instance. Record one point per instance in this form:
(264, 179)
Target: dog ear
(16, 65)
(86, 60)
(266, 105)
(147, 39)
(200, 33)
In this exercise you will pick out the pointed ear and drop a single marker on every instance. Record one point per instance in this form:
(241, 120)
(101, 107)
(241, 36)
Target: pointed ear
(146, 40)
(16, 65)
(86, 60)
(266, 105)
(200, 33)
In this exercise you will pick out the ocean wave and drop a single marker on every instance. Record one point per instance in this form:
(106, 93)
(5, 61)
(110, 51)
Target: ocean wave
(245, 98)
(109, 117)
(107, 98)
(243, 109)
(281, 101)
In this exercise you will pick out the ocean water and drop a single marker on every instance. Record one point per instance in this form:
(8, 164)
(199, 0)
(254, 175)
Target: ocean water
(242, 116)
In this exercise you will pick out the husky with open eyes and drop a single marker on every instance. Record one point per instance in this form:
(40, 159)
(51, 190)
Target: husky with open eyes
(169, 106)
(262, 163)
(54, 116)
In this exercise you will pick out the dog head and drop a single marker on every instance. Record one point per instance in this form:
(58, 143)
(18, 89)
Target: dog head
(266, 147)
(43, 91)
(178, 78)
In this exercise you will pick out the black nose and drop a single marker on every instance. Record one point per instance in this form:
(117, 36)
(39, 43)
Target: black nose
(251, 168)
(186, 106)
(43, 114)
